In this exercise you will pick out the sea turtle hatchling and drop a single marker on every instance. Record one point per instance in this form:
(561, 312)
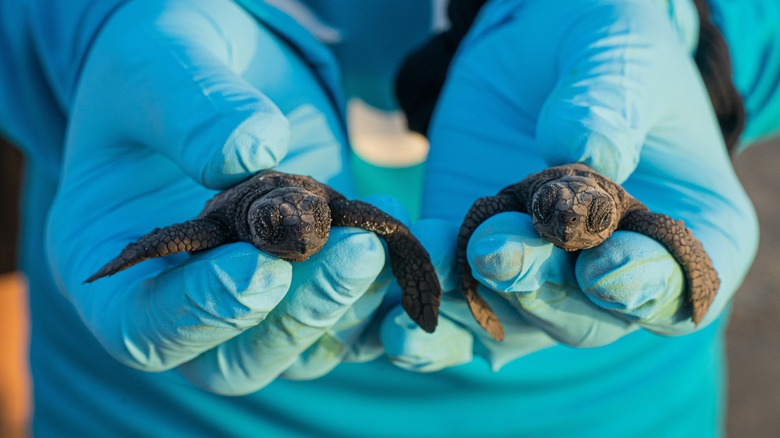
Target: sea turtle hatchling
(289, 216)
(574, 208)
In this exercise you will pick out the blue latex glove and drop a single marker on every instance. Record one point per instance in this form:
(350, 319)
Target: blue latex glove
(611, 84)
(458, 338)
(169, 106)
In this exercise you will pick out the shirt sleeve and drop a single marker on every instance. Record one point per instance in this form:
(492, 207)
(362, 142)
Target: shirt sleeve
(750, 29)
(43, 45)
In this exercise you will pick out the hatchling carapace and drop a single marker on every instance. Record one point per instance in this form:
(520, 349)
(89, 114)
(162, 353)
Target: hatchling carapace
(289, 216)
(575, 208)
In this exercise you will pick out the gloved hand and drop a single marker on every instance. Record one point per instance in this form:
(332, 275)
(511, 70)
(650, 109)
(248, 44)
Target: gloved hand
(176, 99)
(604, 82)
(458, 338)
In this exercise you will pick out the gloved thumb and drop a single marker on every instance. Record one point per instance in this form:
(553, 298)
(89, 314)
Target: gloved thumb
(610, 88)
(176, 87)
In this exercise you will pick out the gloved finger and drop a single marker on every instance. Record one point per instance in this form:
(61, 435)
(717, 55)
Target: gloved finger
(635, 277)
(521, 337)
(406, 344)
(567, 316)
(507, 255)
(342, 338)
(348, 336)
(458, 337)
(349, 340)
(176, 87)
(439, 238)
(324, 288)
(413, 349)
(610, 88)
(162, 321)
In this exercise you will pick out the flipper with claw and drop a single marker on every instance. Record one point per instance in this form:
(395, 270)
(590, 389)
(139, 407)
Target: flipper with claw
(191, 236)
(700, 275)
(480, 211)
(409, 260)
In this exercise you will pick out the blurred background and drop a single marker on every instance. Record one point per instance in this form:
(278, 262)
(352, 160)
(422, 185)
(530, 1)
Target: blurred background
(753, 335)
(14, 377)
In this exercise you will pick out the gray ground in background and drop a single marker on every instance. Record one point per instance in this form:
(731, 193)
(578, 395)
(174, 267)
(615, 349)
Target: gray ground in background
(754, 332)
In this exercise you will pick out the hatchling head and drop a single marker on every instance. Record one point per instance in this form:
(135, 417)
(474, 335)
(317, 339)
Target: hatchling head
(574, 212)
(290, 223)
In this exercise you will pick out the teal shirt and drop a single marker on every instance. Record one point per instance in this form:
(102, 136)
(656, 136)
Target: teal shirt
(642, 385)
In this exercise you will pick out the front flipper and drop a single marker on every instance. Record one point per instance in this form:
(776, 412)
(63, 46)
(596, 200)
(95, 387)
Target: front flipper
(700, 275)
(409, 260)
(479, 212)
(191, 236)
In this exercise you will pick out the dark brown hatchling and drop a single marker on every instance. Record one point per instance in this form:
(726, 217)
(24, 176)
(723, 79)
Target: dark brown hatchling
(574, 208)
(289, 216)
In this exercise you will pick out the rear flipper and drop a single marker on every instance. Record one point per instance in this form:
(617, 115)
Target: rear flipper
(409, 260)
(195, 235)
(701, 278)
(479, 212)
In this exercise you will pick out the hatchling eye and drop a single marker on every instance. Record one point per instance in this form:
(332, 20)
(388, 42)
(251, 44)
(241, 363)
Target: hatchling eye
(269, 223)
(599, 214)
(543, 205)
(322, 220)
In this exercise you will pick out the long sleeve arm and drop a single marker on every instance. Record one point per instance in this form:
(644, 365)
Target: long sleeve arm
(750, 28)
(44, 44)
(42, 47)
